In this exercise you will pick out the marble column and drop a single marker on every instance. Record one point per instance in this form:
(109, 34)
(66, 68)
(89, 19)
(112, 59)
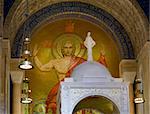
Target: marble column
(1, 72)
(144, 72)
(127, 71)
(1, 81)
(17, 77)
(4, 76)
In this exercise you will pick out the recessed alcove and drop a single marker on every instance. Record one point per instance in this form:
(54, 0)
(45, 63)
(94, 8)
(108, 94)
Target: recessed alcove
(96, 104)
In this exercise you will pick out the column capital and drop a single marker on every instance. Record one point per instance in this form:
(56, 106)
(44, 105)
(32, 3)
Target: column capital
(127, 65)
(127, 69)
(17, 76)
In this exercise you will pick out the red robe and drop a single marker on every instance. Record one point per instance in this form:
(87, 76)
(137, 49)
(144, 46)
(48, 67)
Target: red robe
(51, 98)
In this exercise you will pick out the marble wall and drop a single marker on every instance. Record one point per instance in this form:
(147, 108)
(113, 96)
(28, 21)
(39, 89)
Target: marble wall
(143, 71)
(1, 81)
(1, 84)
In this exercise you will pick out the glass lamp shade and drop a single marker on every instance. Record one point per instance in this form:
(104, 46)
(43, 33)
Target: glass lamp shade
(24, 91)
(26, 100)
(26, 80)
(25, 65)
(139, 99)
(27, 39)
(27, 52)
(138, 81)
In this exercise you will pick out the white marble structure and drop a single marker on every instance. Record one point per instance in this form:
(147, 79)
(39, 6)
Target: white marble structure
(90, 79)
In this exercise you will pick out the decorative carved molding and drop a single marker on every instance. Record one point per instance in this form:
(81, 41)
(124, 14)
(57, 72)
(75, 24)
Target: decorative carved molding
(72, 93)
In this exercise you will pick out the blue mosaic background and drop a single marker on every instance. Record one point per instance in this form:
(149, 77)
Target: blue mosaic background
(83, 9)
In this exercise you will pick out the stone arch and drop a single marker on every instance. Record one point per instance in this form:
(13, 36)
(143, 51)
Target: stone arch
(100, 95)
(83, 11)
(127, 12)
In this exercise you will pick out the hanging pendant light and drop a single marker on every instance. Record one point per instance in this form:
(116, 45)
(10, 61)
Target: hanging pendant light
(139, 99)
(138, 92)
(25, 64)
(26, 100)
(25, 92)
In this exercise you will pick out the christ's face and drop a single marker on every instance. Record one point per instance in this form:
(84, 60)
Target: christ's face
(67, 49)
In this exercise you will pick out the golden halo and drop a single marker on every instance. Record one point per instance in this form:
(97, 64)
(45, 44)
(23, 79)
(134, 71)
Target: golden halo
(77, 41)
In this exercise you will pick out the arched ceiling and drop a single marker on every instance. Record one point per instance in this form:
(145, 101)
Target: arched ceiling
(128, 13)
(97, 102)
(78, 10)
